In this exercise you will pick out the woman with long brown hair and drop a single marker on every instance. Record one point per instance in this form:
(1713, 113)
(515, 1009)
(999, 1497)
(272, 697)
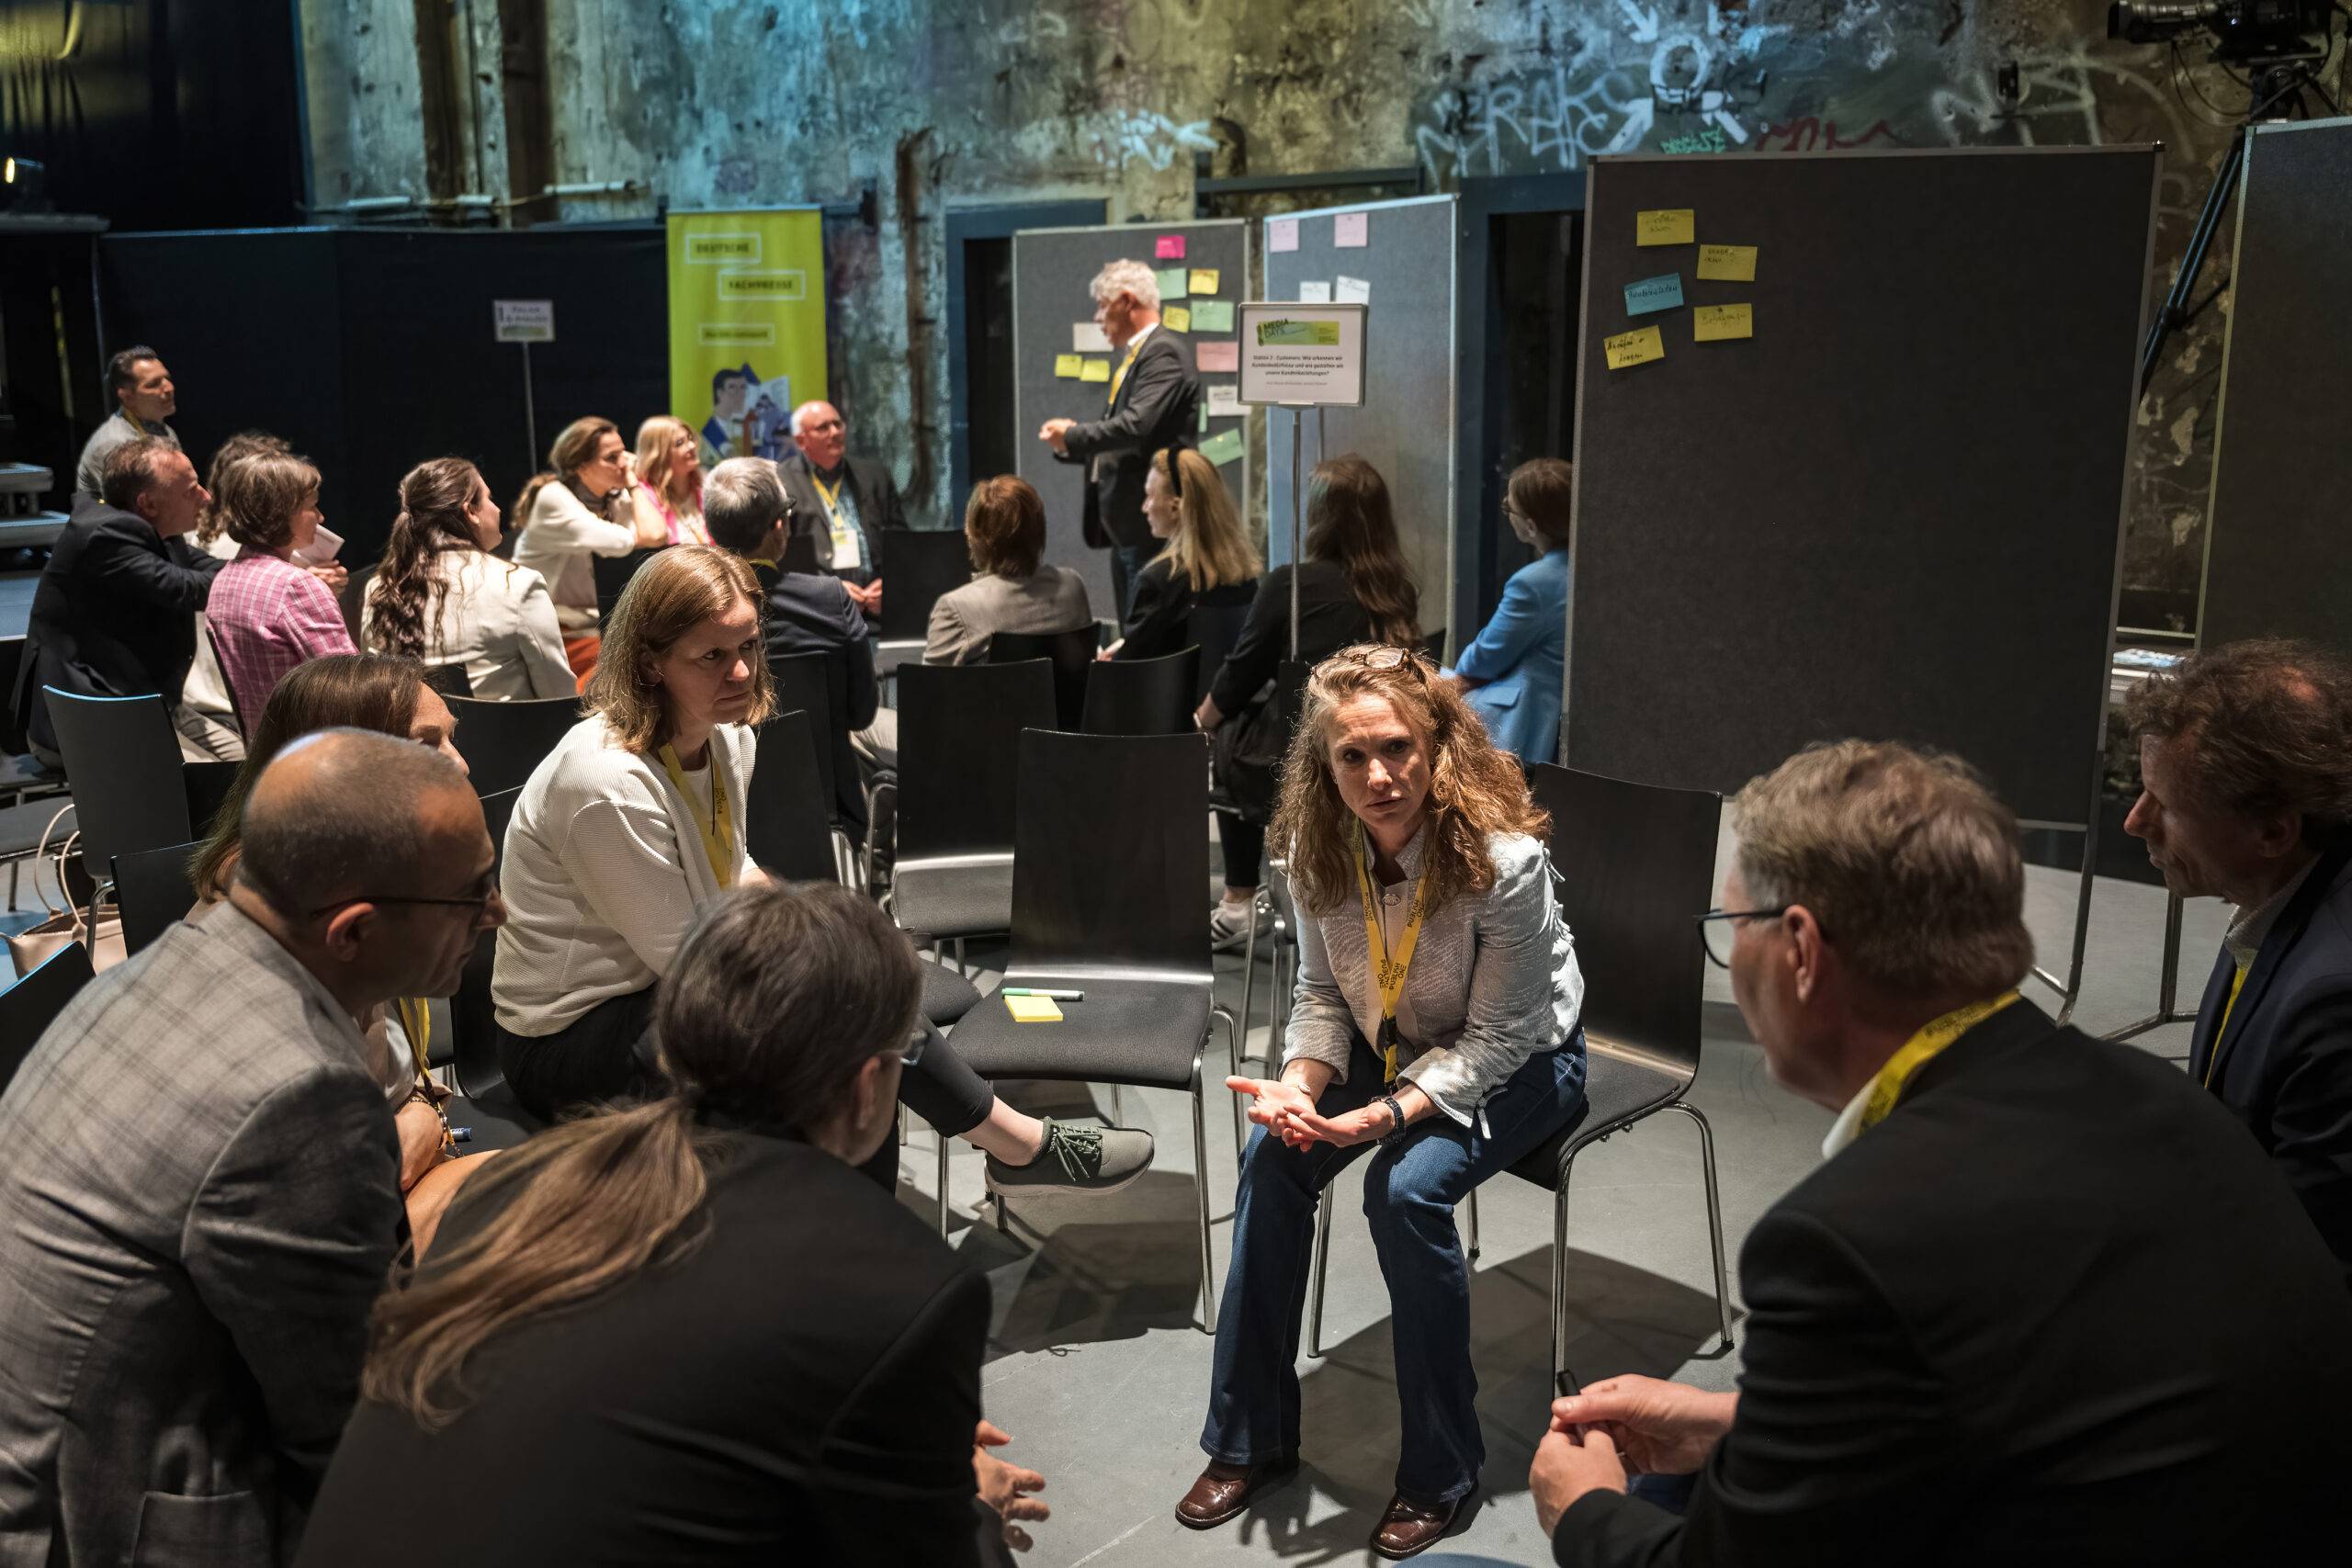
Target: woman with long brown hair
(1436, 1029)
(1353, 587)
(580, 507)
(669, 479)
(1205, 562)
(440, 596)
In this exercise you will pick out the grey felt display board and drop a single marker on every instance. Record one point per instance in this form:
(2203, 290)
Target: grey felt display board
(2275, 558)
(1052, 269)
(1405, 424)
(1892, 512)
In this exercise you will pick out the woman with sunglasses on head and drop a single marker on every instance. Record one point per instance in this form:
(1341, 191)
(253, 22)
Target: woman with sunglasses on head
(583, 505)
(1435, 1029)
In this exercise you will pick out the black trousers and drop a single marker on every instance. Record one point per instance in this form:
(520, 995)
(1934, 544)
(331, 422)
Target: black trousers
(942, 1090)
(1244, 843)
(605, 1054)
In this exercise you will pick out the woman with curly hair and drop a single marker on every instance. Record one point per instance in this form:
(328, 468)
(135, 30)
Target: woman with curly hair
(1436, 1029)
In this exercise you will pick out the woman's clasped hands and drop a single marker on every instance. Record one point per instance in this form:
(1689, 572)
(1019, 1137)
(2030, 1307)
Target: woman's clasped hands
(1287, 1111)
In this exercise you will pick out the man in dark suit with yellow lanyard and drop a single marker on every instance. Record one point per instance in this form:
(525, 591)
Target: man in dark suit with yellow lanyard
(2246, 770)
(1155, 401)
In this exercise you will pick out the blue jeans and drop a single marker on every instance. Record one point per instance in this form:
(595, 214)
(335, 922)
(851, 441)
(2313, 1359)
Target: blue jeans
(1409, 1198)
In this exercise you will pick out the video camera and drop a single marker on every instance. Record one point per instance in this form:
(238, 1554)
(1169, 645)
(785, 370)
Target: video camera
(2241, 30)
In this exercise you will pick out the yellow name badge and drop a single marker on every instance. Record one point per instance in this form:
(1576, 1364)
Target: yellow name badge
(1629, 349)
(1203, 280)
(1177, 319)
(1727, 264)
(1667, 226)
(1715, 323)
(1069, 366)
(1095, 370)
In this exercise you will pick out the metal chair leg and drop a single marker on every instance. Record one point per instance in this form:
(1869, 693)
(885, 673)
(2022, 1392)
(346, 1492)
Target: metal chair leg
(942, 1181)
(1322, 1267)
(1249, 969)
(1201, 1186)
(1474, 1227)
(1118, 1116)
(1233, 1048)
(1560, 1272)
(1715, 1214)
(902, 1126)
(962, 968)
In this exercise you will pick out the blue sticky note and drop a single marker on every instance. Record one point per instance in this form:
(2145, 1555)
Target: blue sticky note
(1662, 293)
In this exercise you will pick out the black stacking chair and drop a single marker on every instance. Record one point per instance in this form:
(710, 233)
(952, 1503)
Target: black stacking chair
(207, 787)
(1635, 863)
(502, 742)
(353, 600)
(1142, 696)
(153, 890)
(1290, 696)
(450, 679)
(1214, 628)
(784, 821)
(32, 1004)
(958, 759)
(23, 776)
(1071, 653)
(1109, 861)
(918, 565)
(245, 721)
(809, 683)
(122, 762)
(613, 572)
(485, 1103)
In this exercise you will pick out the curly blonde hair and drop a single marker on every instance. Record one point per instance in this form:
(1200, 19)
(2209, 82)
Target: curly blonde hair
(1475, 790)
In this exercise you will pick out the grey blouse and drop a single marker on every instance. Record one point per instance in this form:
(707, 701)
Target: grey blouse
(1494, 980)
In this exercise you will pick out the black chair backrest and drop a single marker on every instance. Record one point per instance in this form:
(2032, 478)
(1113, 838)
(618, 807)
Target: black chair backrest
(1071, 653)
(785, 822)
(353, 600)
(801, 555)
(12, 675)
(207, 785)
(32, 1004)
(613, 572)
(501, 742)
(1143, 696)
(153, 890)
(807, 681)
(474, 1045)
(1636, 862)
(1109, 857)
(1215, 628)
(918, 565)
(236, 709)
(122, 762)
(450, 679)
(959, 727)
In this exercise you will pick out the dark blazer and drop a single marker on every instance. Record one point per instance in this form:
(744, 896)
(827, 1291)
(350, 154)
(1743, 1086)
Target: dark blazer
(1158, 404)
(113, 615)
(871, 489)
(2056, 1309)
(1329, 618)
(2286, 1065)
(1160, 611)
(807, 613)
(800, 1388)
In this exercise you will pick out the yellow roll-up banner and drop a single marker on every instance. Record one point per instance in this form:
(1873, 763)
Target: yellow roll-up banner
(747, 326)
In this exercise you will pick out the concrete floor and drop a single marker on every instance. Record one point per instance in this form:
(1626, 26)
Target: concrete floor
(1098, 1369)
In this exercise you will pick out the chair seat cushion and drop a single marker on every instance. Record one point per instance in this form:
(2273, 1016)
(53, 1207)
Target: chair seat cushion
(1126, 1031)
(946, 996)
(494, 1121)
(1616, 1091)
(953, 899)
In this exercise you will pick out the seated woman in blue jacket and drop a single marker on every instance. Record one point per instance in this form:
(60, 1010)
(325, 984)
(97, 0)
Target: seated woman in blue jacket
(1512, 674)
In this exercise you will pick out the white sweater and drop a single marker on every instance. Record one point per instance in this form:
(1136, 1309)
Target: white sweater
(557, 539)
(498, 621)
(605, 869)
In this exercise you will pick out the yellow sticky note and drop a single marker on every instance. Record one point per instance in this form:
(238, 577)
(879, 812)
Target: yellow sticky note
(1628, 349)
(1069, 366)
(1034, 1010)
(1095, 370)
(1667, 226)
(1713, 323)
(1177, 319)
(1205, 280)
(1727, 264)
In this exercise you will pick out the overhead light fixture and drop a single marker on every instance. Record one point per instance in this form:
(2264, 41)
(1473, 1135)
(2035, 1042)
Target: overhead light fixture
(23, 184)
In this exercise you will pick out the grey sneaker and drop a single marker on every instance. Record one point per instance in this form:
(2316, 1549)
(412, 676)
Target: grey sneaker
(1230, 925)
(1077, 1159)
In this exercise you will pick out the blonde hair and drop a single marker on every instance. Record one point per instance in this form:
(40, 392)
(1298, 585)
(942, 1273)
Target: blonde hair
(260, 495)
(674, 592)
(1207, 549)
(655, 438)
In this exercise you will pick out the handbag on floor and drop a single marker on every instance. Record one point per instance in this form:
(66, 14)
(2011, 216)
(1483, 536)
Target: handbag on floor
(29, 948)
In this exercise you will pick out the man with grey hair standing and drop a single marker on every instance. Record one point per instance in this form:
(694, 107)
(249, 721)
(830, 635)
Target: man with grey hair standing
(1154, 402)
(199, 1193)
(842, 504)
(2043, 1303)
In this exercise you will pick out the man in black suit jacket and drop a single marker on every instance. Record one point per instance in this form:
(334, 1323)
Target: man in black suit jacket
(1155, 401)
(843, 505)
(2043, 1305)
(113, 615)
(2245, 769)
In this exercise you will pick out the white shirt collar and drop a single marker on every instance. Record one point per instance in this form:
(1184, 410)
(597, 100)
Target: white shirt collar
(1135, 342)
(1848, 1125)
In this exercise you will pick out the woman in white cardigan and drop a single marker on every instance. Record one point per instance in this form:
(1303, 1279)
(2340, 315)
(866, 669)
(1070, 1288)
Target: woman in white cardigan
(441, 597)
(577, 511)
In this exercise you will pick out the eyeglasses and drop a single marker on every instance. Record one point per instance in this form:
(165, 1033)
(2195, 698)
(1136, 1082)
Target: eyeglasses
(1381, 658)
(1712, 934)
(915, 1043)
(477, 903)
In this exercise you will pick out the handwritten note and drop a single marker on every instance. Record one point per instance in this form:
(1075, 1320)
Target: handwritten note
(1095, 370)
(1351, 291)
(1170, 248)
(1225, 401)
(1637, 347)
(1660, 293)
(1718, 323)
(1171, 283)
(1667, 226)
(1216, 356)
(1352, 230)
(1223, 448)
(1205, 280)
(1034, 1010)
(1727, 264)
(1282, 234)
(1213, 315)
(1317, 292)
(1177, 319)
(1069, 366)
(1299, 334)
(1087, 338)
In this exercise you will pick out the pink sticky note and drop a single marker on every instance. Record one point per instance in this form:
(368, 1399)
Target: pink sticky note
(1214, 356)
(1282, 234)
(1347, 230)
(1170, 248)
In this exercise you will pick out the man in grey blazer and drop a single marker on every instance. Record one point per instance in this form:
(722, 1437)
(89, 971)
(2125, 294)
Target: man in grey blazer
(198, 1176)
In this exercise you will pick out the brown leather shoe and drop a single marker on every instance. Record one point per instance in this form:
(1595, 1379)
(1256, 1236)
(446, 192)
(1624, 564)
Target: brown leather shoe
(1224, 1490)
(1408, 1528)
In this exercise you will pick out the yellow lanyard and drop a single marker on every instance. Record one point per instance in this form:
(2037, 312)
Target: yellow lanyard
(1119, 377)
(2237, 984)
(717, 831)
(1918, 1050)
(136, 422)
(831, 496)
(1389, 972)
(416, 1021)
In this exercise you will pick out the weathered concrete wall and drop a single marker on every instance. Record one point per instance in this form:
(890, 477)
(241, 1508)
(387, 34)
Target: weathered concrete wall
(944, 102)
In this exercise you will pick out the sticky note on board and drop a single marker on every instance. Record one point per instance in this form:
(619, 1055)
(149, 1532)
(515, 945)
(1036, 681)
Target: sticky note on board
(1033, 1009)
(1069, 366)
(1660, 293)
(1087, 338)
(1637, 347)
(1667, 226)
(1719, 323)
(1205, 422)
(1352, 230)
(1727, 264)
(1351, 291)
(1299, 334)
(1212, 315)
(1282, 234)
(1177, 319)
(1171, 283)
(1215, 356)
(1095, 370)
(1319, 293)
(1169, 248)
(1225, 401)
(1205, 280)
(1223, 448)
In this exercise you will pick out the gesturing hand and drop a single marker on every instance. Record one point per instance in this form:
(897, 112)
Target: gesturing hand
(1005, 1487)
(1664, 1428)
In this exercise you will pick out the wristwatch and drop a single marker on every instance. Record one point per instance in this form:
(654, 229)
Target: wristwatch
(1396, 1119)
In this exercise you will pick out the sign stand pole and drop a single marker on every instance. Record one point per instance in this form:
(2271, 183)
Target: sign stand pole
(530, 410)
(1298, 421)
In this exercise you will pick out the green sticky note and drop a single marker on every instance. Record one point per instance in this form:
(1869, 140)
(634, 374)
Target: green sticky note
(1204, 420)
(1223, 448)
(1069, 366)
(1171, 284)
(1299, 334)
(1212, 315)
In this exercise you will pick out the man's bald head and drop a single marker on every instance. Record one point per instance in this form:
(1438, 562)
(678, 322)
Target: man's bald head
(818, 430)
(344, 812)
